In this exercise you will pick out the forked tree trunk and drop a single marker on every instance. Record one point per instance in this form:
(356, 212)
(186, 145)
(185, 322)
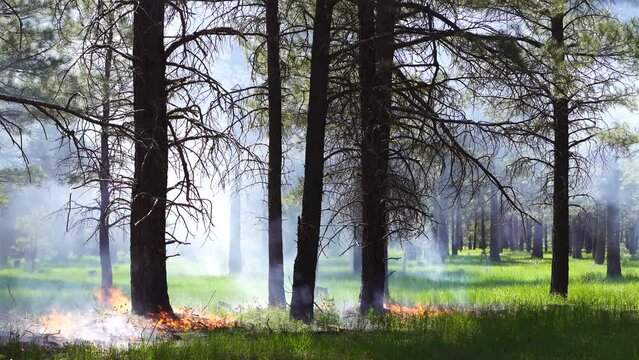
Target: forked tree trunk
(149, 290)
(276, 295)
(376, 96)
(308, 225)
(561, 163)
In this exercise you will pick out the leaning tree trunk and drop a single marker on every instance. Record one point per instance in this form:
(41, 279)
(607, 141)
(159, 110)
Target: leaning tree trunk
(560, 227)
(276, 295)
(613, 268)
(308, 225)
(495, 224)
(105, 172)
(375, 142)
(149, 290)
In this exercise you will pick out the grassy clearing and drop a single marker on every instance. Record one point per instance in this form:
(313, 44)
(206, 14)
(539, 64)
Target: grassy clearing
(518, 320)
(467, 280)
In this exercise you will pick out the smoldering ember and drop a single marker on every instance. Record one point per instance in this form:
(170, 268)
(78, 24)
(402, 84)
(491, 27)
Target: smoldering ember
(319, 179)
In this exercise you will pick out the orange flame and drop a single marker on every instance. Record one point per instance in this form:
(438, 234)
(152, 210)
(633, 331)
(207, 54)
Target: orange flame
(419, 310)
(186, 319)
(113, 297)
(59, 323)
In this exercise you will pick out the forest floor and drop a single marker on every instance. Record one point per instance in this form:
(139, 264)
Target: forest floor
(502, 311)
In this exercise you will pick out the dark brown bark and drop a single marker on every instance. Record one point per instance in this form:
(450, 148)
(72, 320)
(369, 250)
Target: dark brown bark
(308, 227)
(276, 295)
(495, 224)
(561, 163)
(613, 261)
(375, 151)
(149, 290)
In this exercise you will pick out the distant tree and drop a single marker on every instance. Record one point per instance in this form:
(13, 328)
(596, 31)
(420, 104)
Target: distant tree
(495, 225)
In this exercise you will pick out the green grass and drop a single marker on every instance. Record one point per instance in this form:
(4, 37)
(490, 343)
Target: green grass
(517, 318)
(552, 333)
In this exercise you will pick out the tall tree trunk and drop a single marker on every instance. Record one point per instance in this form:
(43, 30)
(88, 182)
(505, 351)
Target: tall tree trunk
(495, 224)
(105, 171)
(149, 290)
(560, 227)
(613, 268)
(276, 295)
(308, 225)
(537, 248)
(375, 151)
(235, 237)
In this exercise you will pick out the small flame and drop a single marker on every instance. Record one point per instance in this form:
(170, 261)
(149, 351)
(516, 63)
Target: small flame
(113, 297)
(420, 310)
(186, 319)
(59, 323)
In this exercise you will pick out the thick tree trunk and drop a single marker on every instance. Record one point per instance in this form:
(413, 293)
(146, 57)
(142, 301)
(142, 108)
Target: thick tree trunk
(308, 225)
(375, 151)
(276, 295)
(495, 224)
(613, 268)
(149, 291)
(105, 173)
(235, 238)
(537, 248)
(560, 227)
